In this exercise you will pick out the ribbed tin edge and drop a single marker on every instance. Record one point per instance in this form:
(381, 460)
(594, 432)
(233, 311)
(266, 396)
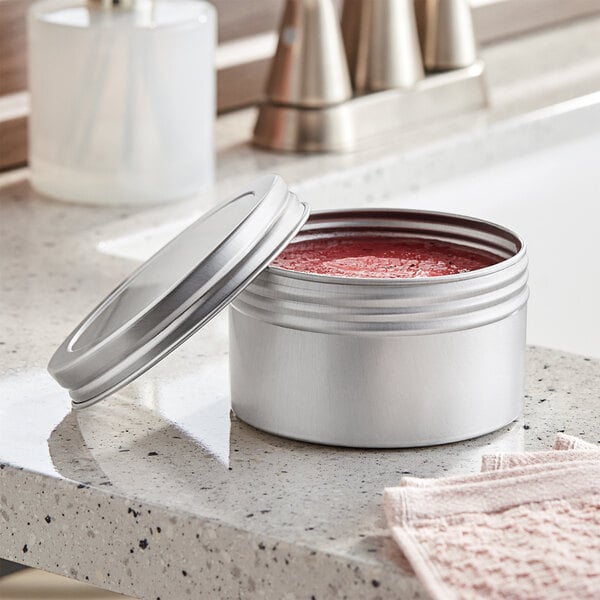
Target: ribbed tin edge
(391, 306)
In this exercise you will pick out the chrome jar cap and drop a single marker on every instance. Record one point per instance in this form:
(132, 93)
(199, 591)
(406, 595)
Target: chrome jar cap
(177, 291)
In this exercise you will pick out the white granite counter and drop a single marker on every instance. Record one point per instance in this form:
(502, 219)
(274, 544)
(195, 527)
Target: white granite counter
(160, 492)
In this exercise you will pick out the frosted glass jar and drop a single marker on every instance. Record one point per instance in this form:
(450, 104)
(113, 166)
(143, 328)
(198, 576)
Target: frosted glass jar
(122, 100)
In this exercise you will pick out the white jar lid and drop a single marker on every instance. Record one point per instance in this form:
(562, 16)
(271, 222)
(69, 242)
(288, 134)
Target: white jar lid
(177, 291)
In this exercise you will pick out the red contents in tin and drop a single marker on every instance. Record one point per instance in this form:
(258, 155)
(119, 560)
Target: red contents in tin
(382, 257)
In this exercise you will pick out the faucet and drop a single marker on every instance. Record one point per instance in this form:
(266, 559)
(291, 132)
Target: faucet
(340, 85)
(382, 44)
(448, 35)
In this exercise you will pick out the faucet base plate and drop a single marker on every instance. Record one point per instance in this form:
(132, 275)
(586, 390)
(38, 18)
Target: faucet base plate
(354, 124)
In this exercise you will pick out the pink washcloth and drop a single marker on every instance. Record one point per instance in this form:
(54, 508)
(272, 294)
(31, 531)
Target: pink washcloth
(528, 526)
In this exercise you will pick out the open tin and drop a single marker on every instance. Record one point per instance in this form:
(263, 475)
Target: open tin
(333, 360)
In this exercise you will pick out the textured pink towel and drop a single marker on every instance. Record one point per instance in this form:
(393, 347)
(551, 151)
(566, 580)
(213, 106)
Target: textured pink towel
(528, 526)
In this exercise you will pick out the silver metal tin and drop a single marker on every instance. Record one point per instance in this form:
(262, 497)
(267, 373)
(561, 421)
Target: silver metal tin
(177, 291)
(384, 363)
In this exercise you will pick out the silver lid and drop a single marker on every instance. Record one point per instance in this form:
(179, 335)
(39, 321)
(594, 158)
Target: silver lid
(177, 291)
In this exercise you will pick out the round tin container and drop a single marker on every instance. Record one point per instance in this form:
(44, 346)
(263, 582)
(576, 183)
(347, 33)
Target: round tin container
(335, 360)
(384, 362)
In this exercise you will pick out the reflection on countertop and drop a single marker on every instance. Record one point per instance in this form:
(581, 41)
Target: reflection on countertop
(168, 449)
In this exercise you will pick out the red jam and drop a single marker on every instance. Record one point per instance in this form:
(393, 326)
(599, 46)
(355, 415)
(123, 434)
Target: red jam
(382, 257)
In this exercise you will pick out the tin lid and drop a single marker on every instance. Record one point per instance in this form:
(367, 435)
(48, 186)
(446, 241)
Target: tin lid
(177, 291)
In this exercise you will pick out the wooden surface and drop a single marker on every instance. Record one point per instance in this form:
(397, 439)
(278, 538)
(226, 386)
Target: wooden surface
(13, 75)
(13, 143)
(243, 84)
(242, 18)
(237, 18)
(237, 86)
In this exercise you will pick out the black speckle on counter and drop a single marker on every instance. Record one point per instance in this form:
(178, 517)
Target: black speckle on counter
(48, 519)
(135, 513)
(152, 453)
(25, 548)
(261, 546)
(158, 529)
(375, 583)
(81, 486)
(184, 573)
(526, 427)
(143, 544)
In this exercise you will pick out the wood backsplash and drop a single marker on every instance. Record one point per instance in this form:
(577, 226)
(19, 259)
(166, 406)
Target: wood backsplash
(236, 85)
(242, 85)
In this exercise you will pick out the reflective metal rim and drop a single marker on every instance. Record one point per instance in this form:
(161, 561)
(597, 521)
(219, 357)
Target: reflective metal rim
(100, 356)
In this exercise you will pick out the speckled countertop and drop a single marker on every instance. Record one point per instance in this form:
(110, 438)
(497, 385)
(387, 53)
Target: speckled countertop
(160, 492)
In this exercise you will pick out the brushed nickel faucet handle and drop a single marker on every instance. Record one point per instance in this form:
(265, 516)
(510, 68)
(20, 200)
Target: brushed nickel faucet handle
(382, 44)
(309, 105)
(309, 68)
(449, 35)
